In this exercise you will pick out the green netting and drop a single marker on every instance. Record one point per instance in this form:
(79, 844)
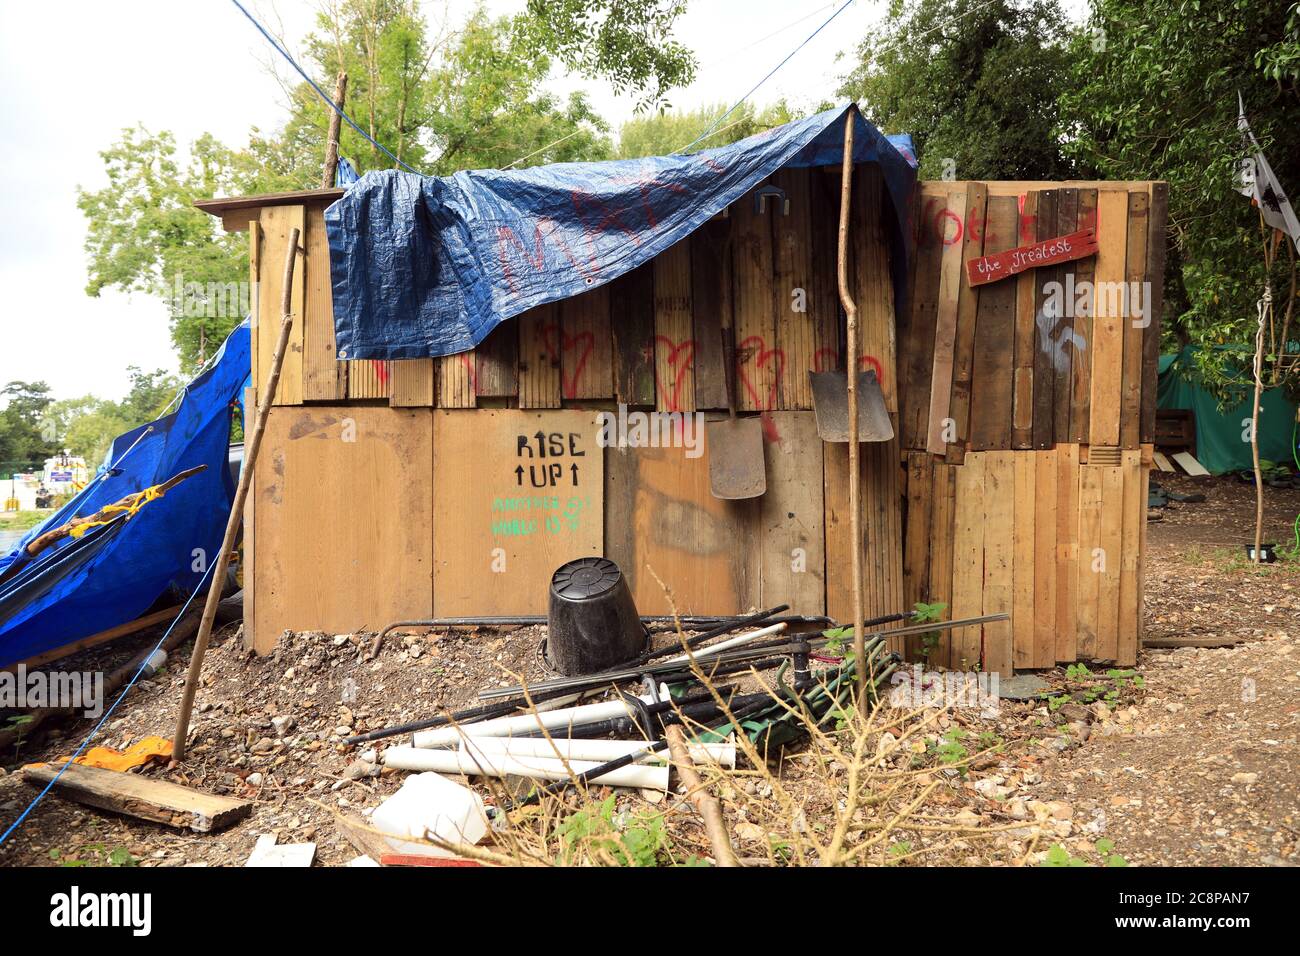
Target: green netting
(1220, 433)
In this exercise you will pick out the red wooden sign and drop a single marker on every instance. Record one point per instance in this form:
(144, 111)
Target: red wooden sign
(985, 269)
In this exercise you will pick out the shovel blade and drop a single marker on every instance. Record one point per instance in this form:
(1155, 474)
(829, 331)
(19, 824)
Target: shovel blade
(831, 403)
(736, 468)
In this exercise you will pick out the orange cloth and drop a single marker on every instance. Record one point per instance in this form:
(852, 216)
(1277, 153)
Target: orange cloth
(138, 754)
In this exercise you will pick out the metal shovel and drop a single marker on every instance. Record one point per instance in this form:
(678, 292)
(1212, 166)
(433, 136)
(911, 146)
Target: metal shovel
(736, 468)
(831, 403)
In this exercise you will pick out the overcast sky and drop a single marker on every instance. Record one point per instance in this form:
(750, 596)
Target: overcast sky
(194, 66)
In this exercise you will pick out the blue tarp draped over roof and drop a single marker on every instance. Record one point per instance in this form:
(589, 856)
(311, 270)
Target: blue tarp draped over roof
(427, 266)
(115, 572)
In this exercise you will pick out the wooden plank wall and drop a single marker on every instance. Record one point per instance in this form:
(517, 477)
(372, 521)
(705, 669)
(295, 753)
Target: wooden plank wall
(1028, 406)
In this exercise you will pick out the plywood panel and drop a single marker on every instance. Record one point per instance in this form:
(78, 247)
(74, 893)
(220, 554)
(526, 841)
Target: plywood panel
(674, 331)
(1091, 558)
(1067, 551)
(517, 493)
(759, 363)
(496, 361)
(584, 343)
(965, 644)
(1084, 309)
(1130, 413)
(824, 200)
(343, 510)
(1024, 566)
(964, 342)
(1045, 558)
(796, 324)
(949, 231)
(1108, 324)
(999, 546)
(321, 371)
(1131, 550)
(632, 318)
(661, 517)
(412, 383)
(276, 222)
(539, 366)
(711, 280)
(1108, 588)
(995, 332)
(873, 286)
(792, 534)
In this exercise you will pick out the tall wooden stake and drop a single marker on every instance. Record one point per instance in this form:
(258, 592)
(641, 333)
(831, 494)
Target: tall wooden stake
(237, 507)
(332, 142)
(851, 346)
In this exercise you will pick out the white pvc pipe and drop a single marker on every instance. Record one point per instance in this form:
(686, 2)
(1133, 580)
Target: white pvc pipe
(602, 751)
(561, 720)
(535, 768)
(730, 643)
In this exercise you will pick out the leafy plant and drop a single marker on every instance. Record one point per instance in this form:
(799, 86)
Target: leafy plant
(595, 831)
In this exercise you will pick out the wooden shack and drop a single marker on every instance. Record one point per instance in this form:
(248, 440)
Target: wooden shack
(1016, 480)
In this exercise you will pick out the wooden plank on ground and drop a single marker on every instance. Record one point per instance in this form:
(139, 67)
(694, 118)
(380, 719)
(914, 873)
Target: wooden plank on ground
(1157, 217)
(1189, 463)
(999, 546)
(662, 517)
(517, 494)
(276, 222)
(322, 378)
(1134, 325)
(1112, 544)
(1108, 324)
(796, 330)
(584, 343)
(792, 533)
(1084, 308)
(964, 343)
(412, 384)
(995, 334)
(946, 229)
(496, 362)
(539, 368)
(1024, 542)
(1091, 560)
(710, 301)
(674, 330)
(1163, 463)
(632, 318)
(758, 363)
(1067, 551)
(354, 482)
(1026, 337)
(1130, 582)
(1044, 558)
(145, 798)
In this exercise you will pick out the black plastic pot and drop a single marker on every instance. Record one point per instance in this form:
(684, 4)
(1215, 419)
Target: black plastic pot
(592, 623)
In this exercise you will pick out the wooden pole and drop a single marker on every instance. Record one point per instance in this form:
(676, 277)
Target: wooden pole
(332, 142)
(237, 507)
(705, 803)
(851, 346)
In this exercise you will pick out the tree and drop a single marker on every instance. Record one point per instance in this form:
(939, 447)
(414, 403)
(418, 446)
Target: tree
(974, 83)
(666, 132)
(1154, 96)
(26, 437)
(86, 426)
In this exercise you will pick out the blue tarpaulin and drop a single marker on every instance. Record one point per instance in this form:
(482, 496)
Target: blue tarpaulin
(426, 266)
(115, 572)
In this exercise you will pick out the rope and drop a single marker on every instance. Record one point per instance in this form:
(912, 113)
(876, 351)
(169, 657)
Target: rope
(319, 92)
(134, 503)
(108, 713)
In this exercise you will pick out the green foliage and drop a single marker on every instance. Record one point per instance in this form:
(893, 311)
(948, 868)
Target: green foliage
(86, 426)
(667, 132)
(1057, 855)
(1154, 96)
(26, 440)
(974, 82)
(627, 43)
(595, 832)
